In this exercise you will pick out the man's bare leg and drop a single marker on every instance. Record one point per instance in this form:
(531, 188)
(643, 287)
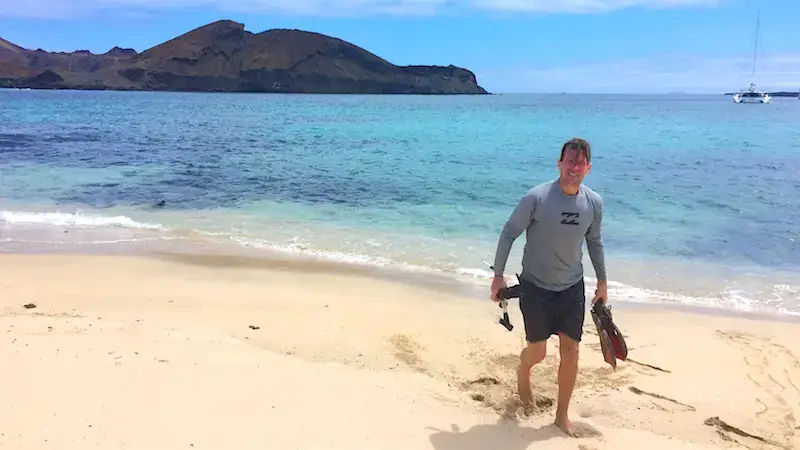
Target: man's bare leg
(531, 355)
(567, 373)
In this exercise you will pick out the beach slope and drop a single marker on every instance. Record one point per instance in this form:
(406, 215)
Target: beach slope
(210, 352)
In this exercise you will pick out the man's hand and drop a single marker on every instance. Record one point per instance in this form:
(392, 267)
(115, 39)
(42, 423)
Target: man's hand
(498, 283)
(601, 293)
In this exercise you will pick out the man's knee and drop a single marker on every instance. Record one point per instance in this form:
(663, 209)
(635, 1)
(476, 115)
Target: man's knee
(568, 347)
(533, 353)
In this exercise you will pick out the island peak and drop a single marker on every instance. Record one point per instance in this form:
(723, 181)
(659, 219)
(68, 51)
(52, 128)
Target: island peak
(222, 56)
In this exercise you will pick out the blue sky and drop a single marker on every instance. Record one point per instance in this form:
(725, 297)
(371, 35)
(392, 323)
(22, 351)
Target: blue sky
(695, 46)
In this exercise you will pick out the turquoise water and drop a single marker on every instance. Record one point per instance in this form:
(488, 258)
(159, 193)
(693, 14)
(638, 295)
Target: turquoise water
(701, 194)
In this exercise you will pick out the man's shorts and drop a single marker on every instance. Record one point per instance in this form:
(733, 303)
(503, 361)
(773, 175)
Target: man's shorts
(547, 313)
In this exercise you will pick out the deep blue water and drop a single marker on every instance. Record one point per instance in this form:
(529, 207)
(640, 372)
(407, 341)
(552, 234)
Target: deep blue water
(701, 194)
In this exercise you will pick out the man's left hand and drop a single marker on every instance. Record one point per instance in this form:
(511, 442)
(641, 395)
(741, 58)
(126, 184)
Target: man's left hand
(601, 292)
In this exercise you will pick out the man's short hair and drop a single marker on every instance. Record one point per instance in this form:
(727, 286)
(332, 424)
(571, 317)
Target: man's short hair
(581, 145)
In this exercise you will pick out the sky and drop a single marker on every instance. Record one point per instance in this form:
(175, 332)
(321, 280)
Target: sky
(573, 46)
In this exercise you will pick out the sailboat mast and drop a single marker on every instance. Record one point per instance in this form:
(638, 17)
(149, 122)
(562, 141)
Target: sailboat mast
(755, 45)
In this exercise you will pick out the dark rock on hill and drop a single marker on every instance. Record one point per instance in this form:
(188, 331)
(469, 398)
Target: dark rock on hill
(223, 57)
(116, 51)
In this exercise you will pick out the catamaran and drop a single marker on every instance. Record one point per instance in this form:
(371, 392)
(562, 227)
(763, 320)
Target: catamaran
(752, 94)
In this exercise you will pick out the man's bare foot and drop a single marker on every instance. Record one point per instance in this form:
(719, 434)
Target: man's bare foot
(565, 425)
(528, 407)
(526, 398)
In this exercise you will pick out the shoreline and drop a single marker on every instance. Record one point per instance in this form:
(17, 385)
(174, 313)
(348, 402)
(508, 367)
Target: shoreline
(732, 283)
(432, 282)
(302, 263)
(215, 254)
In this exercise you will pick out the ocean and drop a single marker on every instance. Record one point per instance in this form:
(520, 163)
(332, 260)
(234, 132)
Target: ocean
(702, 195)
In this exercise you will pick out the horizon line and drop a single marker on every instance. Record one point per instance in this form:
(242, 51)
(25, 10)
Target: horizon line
(549, 93)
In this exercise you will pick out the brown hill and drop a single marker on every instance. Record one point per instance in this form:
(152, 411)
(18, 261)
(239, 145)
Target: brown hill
(13, 63)
(222, 56)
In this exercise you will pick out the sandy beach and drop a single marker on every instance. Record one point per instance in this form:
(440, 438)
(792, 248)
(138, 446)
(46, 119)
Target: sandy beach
(133, 352)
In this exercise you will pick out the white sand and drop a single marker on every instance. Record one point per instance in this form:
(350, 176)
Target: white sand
(126, 352)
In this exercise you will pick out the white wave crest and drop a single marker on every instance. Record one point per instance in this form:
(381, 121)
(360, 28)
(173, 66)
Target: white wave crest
(76, 219)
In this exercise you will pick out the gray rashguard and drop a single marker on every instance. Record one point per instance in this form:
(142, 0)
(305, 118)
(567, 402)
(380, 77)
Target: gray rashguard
(556, 225)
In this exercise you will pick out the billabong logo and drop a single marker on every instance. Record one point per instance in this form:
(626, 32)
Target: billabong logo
(570, 218)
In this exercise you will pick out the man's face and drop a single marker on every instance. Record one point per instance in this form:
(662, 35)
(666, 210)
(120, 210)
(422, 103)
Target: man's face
(574, 167)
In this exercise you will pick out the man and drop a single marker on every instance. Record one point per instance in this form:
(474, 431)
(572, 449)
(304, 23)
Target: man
(557, 216)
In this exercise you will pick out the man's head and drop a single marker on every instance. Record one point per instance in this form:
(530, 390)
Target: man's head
(575, 161)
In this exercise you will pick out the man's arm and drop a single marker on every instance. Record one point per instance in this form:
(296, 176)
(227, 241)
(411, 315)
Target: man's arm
(520, 219)
(594, 242)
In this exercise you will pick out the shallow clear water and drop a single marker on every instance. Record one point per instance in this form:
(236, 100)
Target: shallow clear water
(701, 194)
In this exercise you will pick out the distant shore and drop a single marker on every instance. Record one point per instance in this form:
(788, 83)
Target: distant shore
(212, 91)
(122, 89)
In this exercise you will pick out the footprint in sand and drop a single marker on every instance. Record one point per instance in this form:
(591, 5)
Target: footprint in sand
(583, 430)
(772, 370)
(407, 351)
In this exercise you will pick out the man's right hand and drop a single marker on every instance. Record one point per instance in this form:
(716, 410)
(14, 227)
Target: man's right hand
(497, 284)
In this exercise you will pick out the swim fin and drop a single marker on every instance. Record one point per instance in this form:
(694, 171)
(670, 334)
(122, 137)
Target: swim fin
(612, 342)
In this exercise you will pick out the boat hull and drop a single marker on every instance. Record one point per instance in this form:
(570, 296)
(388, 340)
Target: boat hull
(752, 99)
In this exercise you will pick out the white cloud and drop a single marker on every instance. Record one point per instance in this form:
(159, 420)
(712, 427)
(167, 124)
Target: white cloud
(304, 7)
(64, 9)
(584, 6)
(74, 8)
(666, 73)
